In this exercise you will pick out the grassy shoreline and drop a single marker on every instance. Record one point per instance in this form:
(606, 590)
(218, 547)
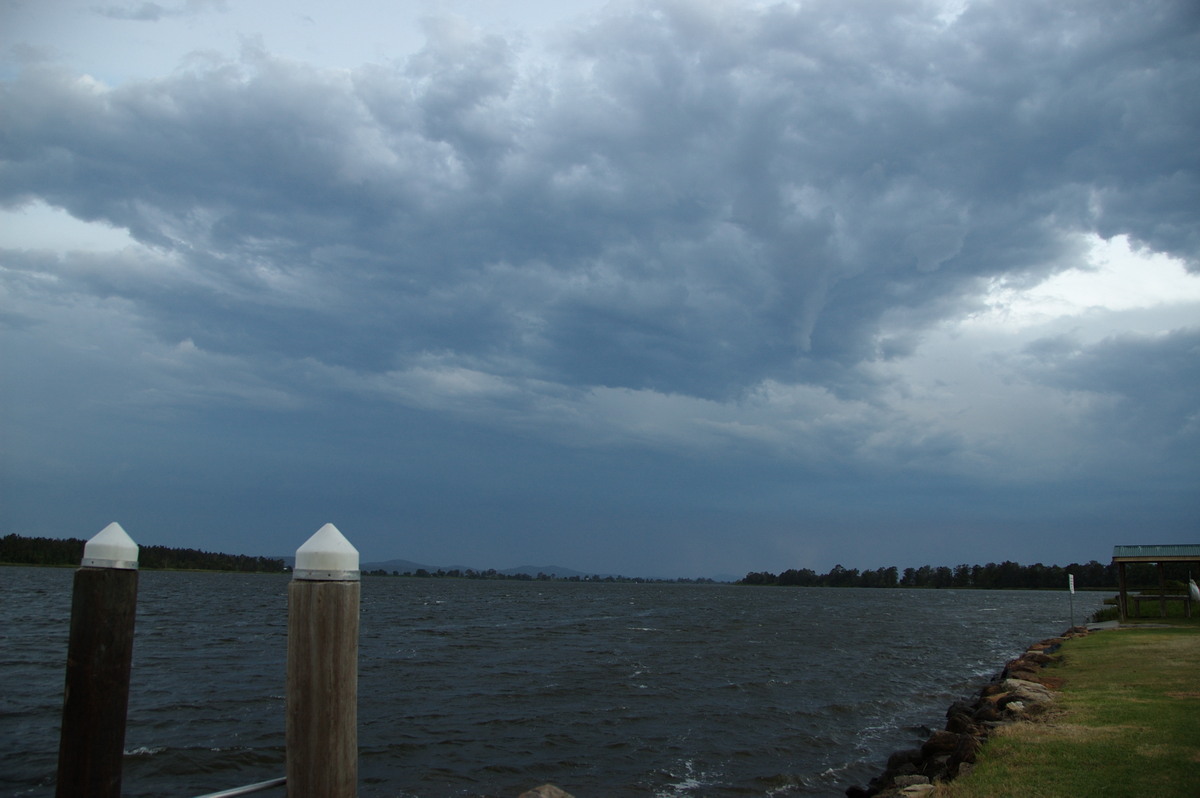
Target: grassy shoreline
(1126, 723)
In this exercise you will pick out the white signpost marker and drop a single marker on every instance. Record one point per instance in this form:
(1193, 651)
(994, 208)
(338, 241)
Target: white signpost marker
(1071, 585)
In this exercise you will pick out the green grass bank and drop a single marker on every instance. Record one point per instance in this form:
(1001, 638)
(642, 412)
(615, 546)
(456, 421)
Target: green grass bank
(1126, 724)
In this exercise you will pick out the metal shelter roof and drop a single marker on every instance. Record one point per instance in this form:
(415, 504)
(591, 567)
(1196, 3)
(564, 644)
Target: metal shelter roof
(1179, 552)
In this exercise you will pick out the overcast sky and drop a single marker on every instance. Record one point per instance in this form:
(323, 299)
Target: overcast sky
(673, 288)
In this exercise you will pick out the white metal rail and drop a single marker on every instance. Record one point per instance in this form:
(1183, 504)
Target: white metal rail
(249, 788)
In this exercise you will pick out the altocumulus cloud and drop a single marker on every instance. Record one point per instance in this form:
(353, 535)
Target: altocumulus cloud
(730, 241)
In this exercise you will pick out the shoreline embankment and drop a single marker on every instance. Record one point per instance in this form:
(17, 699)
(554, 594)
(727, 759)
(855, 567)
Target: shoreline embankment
(1021, 691)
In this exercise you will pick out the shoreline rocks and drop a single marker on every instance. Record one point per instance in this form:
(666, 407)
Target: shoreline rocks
(1022, 691)
(546, 791)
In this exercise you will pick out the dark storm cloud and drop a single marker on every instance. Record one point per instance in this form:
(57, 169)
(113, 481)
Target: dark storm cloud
(687, 200)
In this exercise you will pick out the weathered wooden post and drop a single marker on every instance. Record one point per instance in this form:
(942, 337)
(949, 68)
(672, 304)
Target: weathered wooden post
(1123, 600)
(322, 669)
(99, 658)
(1162, 590)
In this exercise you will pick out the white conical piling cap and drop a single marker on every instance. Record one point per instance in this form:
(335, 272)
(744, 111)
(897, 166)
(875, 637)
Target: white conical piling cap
(111, 548)
(327, 555)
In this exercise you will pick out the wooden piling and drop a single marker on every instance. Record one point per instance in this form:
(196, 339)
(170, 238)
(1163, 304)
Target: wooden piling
(99, 660)
(322, 669)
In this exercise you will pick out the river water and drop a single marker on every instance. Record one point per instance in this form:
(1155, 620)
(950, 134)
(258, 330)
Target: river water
(474, 688)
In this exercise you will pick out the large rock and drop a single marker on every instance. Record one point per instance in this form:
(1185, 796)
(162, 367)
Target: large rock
(937, 768)
(1023, 699)
(962, 724)
(1027, 691)
(904, 762)
(966, 750)
(546, 791)
(939, 743)
(1019, 710)
(987, 709)
(958, 718)
(991, 688)
(1021, 669)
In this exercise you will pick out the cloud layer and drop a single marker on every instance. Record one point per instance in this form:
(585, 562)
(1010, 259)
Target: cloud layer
(731, 238)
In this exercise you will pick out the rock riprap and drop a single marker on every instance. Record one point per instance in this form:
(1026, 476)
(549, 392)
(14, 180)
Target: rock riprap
(1022, 691)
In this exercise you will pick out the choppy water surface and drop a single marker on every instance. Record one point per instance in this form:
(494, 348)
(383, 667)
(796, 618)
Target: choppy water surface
(473, 688)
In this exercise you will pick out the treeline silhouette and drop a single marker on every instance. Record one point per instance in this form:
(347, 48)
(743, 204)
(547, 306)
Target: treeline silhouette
(19, 550)
(520, 576)
(993, 576)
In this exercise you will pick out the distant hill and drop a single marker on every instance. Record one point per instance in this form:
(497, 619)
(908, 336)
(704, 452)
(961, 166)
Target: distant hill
(548, 570)
(407, 566)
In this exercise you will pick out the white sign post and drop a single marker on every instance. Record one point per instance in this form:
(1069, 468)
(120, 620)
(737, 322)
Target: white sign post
(1071, 585)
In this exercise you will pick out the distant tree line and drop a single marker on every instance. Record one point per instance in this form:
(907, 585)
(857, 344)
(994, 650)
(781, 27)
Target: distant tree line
(19, 550)
(993, 576)
(492, 573)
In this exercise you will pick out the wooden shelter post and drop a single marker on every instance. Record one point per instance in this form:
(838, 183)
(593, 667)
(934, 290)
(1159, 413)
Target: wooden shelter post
(1123, 601)
(1162, 590)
